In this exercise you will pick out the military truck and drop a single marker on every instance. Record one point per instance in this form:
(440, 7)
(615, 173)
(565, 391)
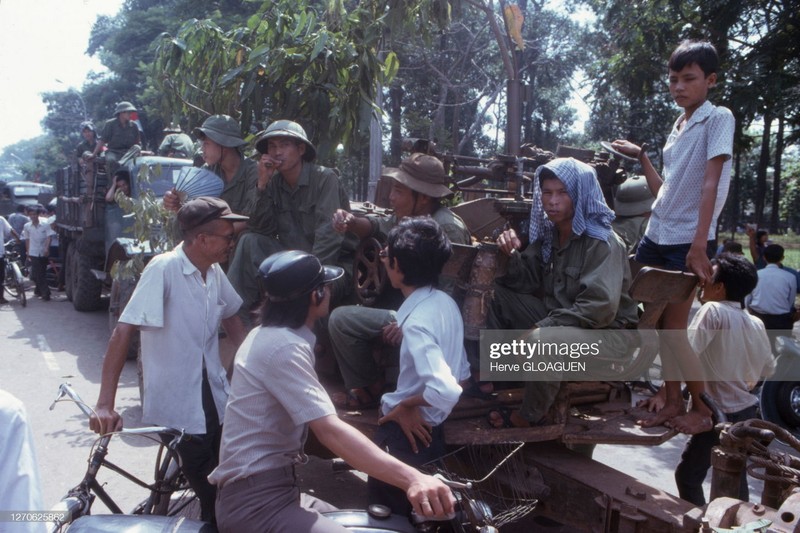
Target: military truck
(96, 234)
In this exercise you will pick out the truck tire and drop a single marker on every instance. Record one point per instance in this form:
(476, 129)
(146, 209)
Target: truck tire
(86, 288)
(121, 291)
(788, 403)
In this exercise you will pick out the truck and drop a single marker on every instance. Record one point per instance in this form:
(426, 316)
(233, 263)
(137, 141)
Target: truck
(95, 234)
(15, 193)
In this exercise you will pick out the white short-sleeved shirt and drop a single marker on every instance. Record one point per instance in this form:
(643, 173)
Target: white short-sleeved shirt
(20, 489)
(275, 393)
(432, 356)
(734, 349)
(179, 314)
(708, 134)
(775, 292)
(36, 237)
(5, 233)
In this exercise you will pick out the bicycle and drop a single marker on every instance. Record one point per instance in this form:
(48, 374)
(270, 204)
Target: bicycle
(14, 283)
(170, 494)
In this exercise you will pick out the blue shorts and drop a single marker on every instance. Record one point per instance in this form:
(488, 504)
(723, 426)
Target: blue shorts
(668, 256)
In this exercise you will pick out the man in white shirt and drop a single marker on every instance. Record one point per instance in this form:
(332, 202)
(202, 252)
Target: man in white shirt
(37, 237)
(773, 298)
(178, 305)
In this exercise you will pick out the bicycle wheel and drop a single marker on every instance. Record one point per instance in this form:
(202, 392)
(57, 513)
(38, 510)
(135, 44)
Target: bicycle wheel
(10, 284)
(172, 497)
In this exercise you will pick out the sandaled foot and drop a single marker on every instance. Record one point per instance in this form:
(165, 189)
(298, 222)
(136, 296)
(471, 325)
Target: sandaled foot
(662, 417)
(502, 417)
(356, 399)
(692, 423)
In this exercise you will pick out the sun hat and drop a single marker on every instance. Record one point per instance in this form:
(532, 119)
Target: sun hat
(124, 106)
(633, 197)
(421, 173)
(221, 129)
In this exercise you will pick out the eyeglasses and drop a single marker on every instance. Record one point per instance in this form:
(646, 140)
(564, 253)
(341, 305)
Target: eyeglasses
(229, 237)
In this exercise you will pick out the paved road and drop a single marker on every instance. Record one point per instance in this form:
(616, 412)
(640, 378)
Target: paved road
(46, 344)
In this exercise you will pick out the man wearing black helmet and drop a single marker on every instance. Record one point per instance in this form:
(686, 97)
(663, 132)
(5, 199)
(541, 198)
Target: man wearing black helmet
(120, 137)
(295, 202)
(178, 305)
(276, 397)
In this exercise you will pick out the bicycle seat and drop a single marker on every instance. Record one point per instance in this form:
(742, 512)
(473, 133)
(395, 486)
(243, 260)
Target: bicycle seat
(125, 523)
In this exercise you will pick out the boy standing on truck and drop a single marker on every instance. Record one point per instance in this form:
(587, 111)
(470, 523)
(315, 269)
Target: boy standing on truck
(689, 199)
(432, 357)
(731, 345)
(37, 245)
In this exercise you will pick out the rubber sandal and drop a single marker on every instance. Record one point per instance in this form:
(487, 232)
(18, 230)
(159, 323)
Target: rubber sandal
(350, 401)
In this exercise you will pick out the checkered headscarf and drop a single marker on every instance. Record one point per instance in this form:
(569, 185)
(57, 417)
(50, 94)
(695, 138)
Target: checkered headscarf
(592, 214)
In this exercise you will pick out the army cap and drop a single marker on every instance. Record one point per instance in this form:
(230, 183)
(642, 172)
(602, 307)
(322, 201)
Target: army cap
(285, 128)
(633, 197)
(221, 129)
(293, 273)
(124, 106)
(203, 210)
(421, 173)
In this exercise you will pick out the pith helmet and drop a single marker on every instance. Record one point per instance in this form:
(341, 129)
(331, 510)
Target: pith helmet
(221, 129)
(633, 197)
(124, 106)
(293, 273)
(421, 173)
(172, 128)
(286, 128)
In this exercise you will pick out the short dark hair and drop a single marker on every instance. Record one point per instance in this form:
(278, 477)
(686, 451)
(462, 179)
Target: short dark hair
(420, 248)
(773, 253)
(702, 53)
(288, 314)
(732, 247)
(21, 208)
(738, 275)
(761, 233)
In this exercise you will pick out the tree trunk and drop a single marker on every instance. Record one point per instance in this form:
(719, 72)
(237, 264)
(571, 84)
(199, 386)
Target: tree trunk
(395, 115)
(776, 179)
(761, 172)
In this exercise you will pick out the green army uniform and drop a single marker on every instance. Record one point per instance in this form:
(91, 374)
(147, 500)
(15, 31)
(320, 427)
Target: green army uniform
(294, 219)
(630, 230)
(354, 328)
(177, 144)
(240, 192)
(85, 146)
(584, 286)
(118, 138)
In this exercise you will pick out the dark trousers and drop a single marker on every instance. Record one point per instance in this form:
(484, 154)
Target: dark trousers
(696, 460)
(39, 276)
(776, 325)
(200, 455)
(390, 438)
(2, 273)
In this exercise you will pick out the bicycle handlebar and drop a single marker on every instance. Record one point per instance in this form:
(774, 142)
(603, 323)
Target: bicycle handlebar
(65, 389)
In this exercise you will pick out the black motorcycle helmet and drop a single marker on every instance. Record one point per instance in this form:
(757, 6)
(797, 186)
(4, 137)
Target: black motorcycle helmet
(294, 273)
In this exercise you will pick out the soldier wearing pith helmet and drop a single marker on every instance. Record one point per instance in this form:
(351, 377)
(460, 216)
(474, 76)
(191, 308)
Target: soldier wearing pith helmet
(120, 137)
(295, 202)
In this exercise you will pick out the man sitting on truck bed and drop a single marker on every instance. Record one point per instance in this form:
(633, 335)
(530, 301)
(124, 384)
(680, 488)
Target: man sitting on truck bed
(222, 143)
(295, 202)
(574, 273)
(120, 137)
(418, 187)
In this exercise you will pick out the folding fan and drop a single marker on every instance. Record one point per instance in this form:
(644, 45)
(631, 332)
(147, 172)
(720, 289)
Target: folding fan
(194, 182)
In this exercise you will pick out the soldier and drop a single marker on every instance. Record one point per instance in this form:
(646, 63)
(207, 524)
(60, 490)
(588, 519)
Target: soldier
(417, 190)
(222, 141)
(176, 143)
(295, 202)
(89, 142)
(120, 137)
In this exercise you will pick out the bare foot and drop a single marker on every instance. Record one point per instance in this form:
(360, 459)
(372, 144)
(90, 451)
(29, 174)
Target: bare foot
(668, 412)
(692, 423)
